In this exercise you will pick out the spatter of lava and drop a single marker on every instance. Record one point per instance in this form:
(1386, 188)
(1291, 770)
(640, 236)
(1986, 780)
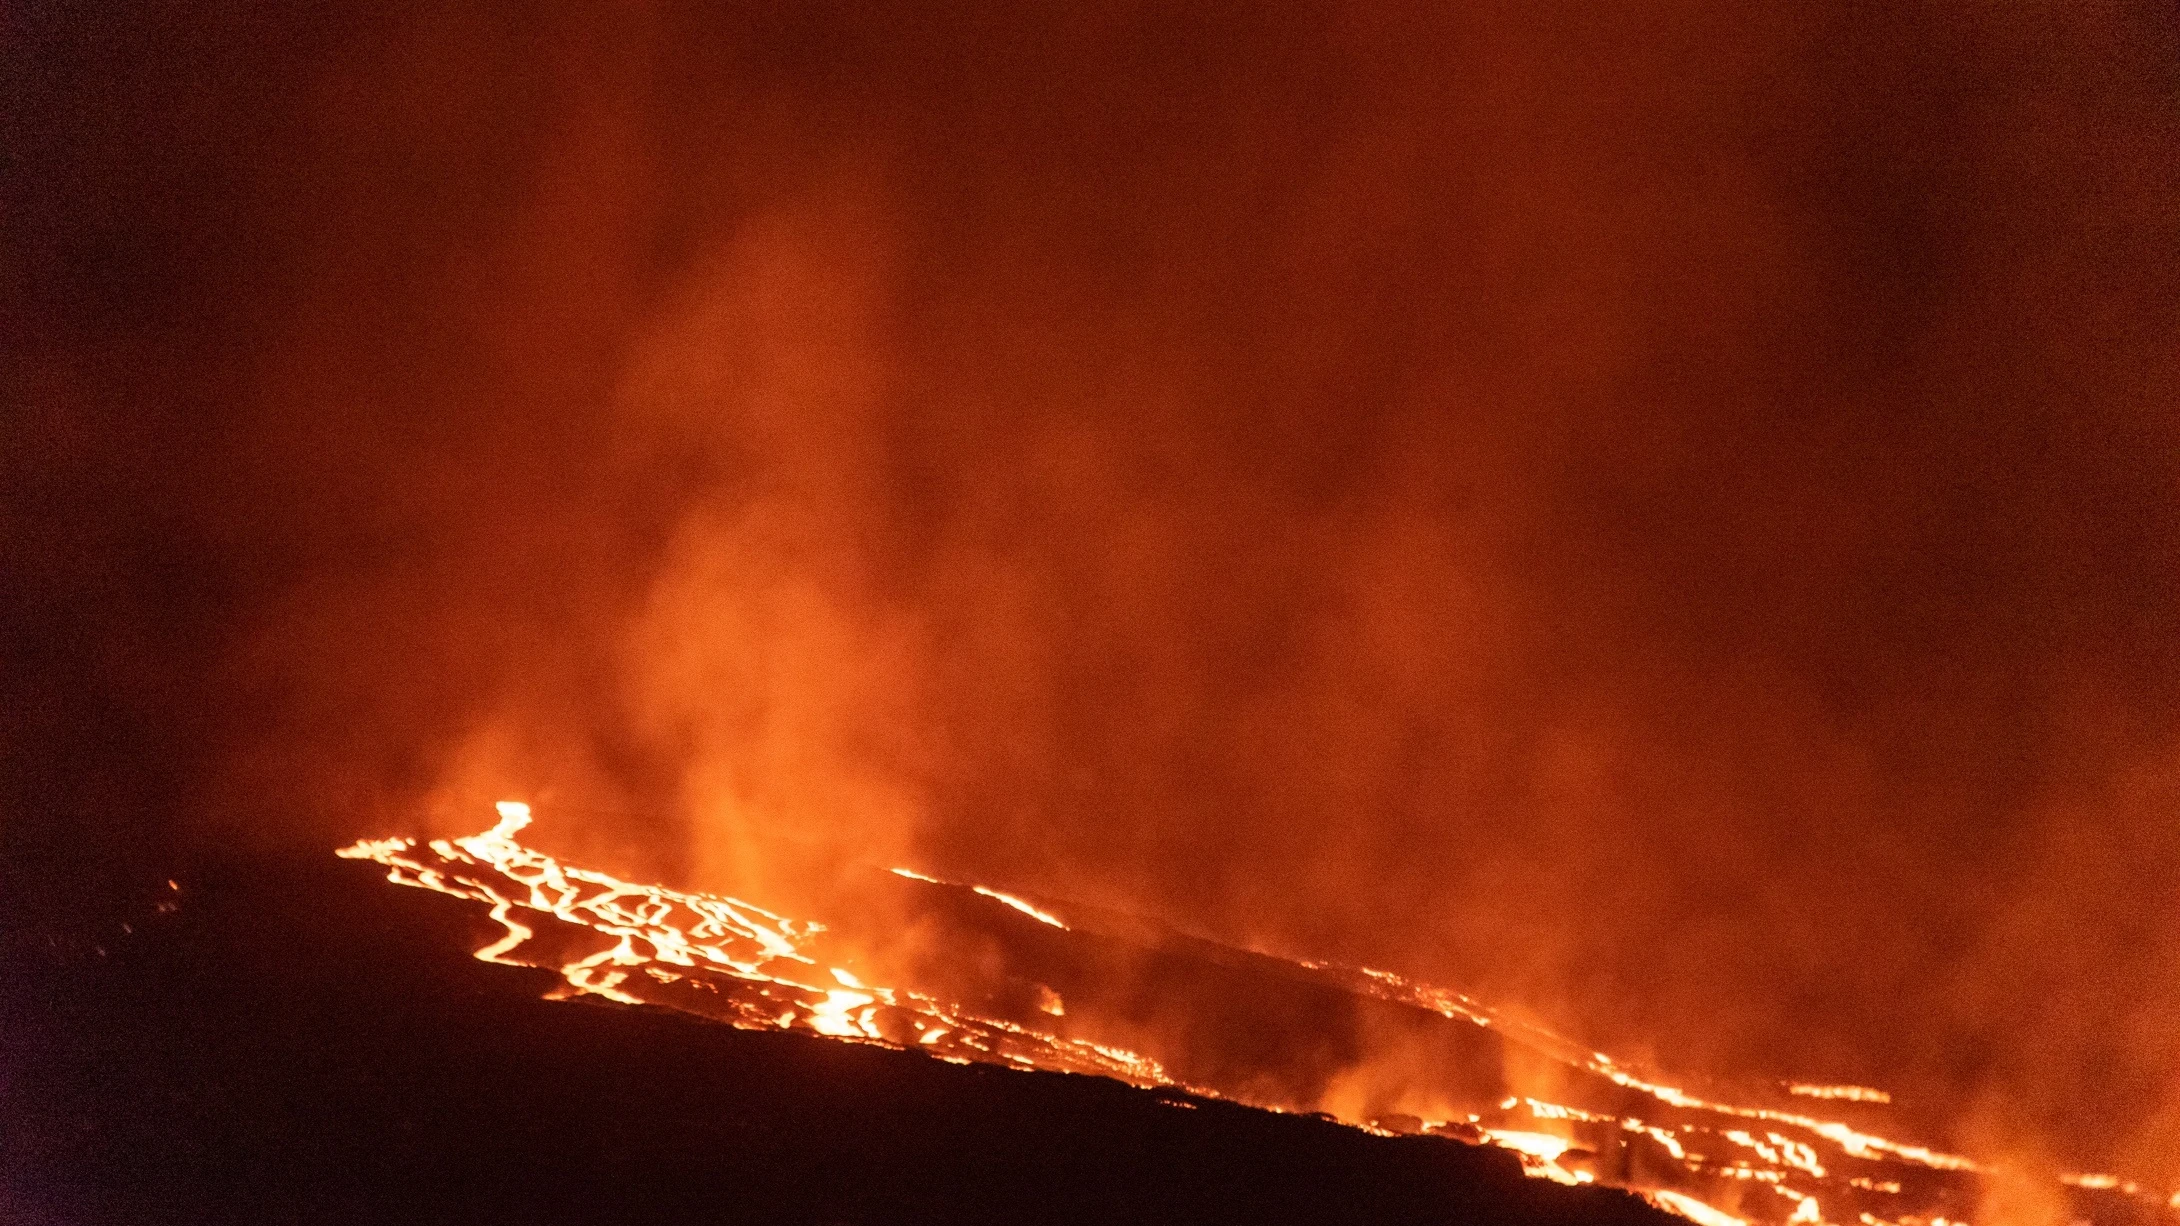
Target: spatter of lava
(1712, 1161)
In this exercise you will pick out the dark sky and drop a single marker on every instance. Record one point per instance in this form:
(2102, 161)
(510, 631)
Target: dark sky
(1665, 513)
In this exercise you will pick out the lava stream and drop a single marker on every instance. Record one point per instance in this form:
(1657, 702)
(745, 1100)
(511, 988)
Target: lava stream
(1705, 1159)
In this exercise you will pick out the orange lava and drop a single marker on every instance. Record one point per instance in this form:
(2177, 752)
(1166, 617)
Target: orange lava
(731, 960)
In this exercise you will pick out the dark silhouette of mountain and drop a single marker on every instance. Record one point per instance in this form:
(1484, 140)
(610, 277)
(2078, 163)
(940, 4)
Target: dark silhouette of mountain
(278, 1041)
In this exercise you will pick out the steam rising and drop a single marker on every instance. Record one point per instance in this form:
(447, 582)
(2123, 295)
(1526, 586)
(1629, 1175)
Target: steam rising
(1669, 518)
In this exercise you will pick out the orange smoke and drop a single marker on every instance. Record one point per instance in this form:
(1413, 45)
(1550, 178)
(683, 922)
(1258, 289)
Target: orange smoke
(1666, 516)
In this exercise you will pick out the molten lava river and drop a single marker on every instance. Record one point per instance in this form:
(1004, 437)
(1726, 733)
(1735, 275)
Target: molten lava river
(1078, 990)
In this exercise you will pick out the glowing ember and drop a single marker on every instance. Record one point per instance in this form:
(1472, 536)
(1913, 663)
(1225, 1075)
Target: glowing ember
(1042, 917)
(750, 967)
(1854, 1094)
(1693, 1209)
(1030, 911)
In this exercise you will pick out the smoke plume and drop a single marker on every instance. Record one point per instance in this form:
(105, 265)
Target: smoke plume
(1668, 515)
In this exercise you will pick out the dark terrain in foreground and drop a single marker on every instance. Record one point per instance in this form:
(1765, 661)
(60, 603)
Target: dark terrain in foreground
(300, 1042)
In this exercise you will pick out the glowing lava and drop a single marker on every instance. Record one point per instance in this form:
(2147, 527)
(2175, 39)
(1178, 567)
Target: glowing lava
(698, 943)
(1713, 1162)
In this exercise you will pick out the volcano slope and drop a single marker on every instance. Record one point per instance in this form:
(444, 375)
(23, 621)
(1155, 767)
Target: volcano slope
(276, 1040)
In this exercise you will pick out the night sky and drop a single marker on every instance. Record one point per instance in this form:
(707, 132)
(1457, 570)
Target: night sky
(1663, 515)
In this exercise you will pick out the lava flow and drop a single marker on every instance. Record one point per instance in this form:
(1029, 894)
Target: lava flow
(1134, 1003)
